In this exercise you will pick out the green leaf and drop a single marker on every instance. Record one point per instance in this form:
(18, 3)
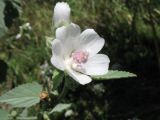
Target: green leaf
(3, 27)
(60, 107)
(57, 78)
(24, 95)
(4, 115)
(114, 74)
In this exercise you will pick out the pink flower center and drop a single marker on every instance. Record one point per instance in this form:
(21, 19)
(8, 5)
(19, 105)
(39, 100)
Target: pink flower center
(80, 57)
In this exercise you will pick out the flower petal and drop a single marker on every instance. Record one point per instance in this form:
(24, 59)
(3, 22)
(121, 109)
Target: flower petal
(69, 37)
(91, 42)
(57, 48)
(57, 57)
(57, 62)
(65, 33)
(79, 77)
(97, 65)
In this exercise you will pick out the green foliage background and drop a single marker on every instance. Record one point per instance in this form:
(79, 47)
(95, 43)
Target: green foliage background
(131, 29)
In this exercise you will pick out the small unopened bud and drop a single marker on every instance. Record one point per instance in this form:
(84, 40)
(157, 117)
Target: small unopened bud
(44, 95)
(45, 116)
(14, 113)
(18, 36)
(27, 24)
(61, 14)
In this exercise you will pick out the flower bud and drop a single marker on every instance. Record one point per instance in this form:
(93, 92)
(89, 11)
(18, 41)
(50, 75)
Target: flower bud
(14, 113)
(44, 95)
(61, 14)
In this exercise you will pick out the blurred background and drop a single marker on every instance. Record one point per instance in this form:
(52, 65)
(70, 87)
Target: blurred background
(131, 29)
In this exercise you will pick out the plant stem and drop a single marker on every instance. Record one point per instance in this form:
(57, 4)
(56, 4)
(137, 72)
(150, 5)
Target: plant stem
(64, 90)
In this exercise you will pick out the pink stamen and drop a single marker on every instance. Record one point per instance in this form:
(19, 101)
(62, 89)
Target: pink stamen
(80, 57)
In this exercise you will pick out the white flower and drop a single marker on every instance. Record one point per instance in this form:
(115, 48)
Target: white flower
(76, 53)
(61, 14)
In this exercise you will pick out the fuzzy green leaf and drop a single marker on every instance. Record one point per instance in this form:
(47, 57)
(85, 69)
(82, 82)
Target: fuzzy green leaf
(60, 107)
(4, 115)
(24, 95)
(114, 74)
